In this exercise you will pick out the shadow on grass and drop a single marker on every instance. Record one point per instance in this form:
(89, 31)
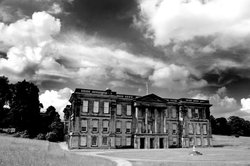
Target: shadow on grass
(222, 145)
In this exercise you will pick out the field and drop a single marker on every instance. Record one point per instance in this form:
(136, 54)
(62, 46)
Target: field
(227, 150)
(27, 152)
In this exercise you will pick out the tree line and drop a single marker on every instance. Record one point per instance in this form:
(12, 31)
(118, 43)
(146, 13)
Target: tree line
(232, 126)
(20, 110)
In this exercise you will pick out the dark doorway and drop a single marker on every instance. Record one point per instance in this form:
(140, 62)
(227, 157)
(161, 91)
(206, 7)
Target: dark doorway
(151, 143)
(161, 143)
(142, 143)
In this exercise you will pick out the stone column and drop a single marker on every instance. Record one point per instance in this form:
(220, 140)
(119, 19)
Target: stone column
(164, 121)
(136, 119)
(155, 120)
(146, 119)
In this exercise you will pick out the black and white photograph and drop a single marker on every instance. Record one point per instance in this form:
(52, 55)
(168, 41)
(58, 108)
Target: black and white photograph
(124, 82)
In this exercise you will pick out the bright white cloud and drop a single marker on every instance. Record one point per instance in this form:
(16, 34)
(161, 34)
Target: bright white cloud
(59, 99)
(175, 77)
(245, 103)
(27, 38)
(222, 106)
(175, 20)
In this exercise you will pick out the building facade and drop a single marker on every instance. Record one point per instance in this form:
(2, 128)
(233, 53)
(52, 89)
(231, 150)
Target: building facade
(105, 119)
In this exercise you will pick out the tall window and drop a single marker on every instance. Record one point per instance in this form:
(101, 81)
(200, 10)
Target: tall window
(205, 142)
(84, 125)
(128, 127)
(139, 127)
(174, 141)
(166, 112)
(129, 110)
(198, 128)
(94, 141)
(118, 126)
(96, 106)
(85, 104)
(128, 141)
(118, 141)
(174, 112)
(83, 141)
(189, 113)
(106, 107)
(166, 131)
(95, 125)
(198, 141)
(105, 125)
(191, 140)
(104, 140)
(190, 129)
(119, 109)
(204, 129)
(196, 113)
(174, 128)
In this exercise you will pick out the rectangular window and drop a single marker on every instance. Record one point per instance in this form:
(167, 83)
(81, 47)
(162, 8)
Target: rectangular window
(128, 127)
(189, 113)
(83, 141)
(174, 141)
(166, 112)
(204, 129)
(85, 105)
(105, 125)
(198, 128)
(94, 141)
(198, 141)
(118, 126)
(104, 140)
(106, 107)
(167, 126)
(191, 140)
(84, 125)
(118, 141)
(190, 129)
(174, 128)
(196, 113)
(128, 141)
(129, 110)
(205, 142)
(96, 106)
(201, 113)
(119, 109)
(174, 112)
(95, 125)
(139, 127)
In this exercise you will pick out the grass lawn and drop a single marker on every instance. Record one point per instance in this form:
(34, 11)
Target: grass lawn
(227, 150)
(27, 152)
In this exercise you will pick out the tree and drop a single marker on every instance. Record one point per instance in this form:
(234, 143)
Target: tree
(24, 106)
(222, 126)
(237, 125)
(4, 99)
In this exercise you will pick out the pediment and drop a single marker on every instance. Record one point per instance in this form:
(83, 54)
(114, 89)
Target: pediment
(151, 98)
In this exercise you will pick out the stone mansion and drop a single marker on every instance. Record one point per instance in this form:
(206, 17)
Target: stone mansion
(106, 119)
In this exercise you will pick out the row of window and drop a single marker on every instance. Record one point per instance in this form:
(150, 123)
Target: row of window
(197, 141)
(105, 141)
(196, 113)
(105, 126)
(142, 128)
(170, 112)
(106, 109)
(196, 128)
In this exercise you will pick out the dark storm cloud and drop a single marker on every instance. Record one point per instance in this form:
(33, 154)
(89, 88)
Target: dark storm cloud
(3, 55)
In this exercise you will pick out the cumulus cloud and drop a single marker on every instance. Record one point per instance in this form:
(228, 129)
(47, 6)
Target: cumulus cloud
(27, 39)
(245, 103)
(175, 20)
(175, 77)
(59, 99)
(222, 105)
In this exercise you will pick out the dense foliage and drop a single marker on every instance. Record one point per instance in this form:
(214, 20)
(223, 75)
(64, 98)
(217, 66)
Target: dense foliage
(232, 126)
(20, 109)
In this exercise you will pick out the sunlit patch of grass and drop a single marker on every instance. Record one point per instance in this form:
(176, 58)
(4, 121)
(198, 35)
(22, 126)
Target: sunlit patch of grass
(27, 152)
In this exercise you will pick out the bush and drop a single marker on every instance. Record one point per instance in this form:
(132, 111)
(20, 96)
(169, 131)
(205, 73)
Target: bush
(40, 136)
(25, 134)
(51, 136)
(18, 134)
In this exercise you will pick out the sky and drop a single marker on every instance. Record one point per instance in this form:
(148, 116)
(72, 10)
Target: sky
(182, 48)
